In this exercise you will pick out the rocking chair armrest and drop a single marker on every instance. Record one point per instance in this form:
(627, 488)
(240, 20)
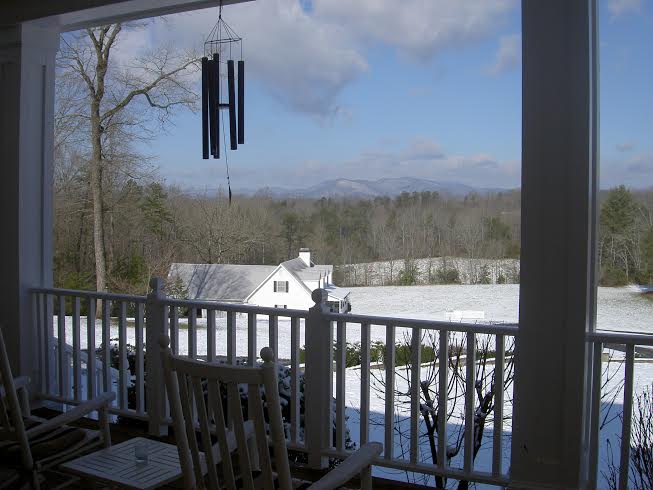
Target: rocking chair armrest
(20, 382)
(97, 403)
(349, 468)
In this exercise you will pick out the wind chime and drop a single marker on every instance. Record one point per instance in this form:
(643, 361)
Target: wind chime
(219, 49)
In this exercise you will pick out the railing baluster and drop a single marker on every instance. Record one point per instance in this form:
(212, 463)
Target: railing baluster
(77, 351)
(341, 366)
(294, 379)
(416, 361)
(231, 338)
(251, 339)
(499, 366)
(624, 462)
(174, 330)
(251, 352)
(90, 349)
(106, 346)
(123, 364)
(365, 383)
(139, 361)
(37, 316)
(39, 322)
(210, 335)
(63, 371)
(192, 333)
(595, 415)
(443, 388)
(49, 343)
(273, 335)
(470, 396)
(389, 361)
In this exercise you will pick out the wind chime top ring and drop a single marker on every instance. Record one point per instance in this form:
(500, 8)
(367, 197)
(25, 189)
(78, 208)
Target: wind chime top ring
(223, 37)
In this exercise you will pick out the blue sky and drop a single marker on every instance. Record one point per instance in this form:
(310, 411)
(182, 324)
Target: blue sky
(366, 90)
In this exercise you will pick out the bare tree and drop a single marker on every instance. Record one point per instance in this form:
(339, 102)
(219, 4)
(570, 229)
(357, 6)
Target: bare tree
(484, 401)
(221, 233)
(640, 466)
(111, 109)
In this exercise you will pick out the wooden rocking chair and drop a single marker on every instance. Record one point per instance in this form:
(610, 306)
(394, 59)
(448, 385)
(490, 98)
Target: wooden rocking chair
(188, 381)
(30, 445)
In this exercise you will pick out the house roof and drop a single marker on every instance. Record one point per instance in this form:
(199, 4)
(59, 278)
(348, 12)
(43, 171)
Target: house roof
(336, 292)
(226, 282)
(298, 267)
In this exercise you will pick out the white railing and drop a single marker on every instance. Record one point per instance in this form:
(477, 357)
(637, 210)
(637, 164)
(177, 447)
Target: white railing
(63, 362)
(629, 344)
(231, 333)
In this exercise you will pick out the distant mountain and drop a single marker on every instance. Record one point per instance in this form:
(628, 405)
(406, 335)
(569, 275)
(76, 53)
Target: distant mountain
(358, 188)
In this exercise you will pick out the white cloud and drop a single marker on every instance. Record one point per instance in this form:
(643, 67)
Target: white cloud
(305, 56)
(302, 62)
(421, 158)
(508, 55)
(620, 7)
(626, 146)
(420, 28)
(634, 171)
(422, 149)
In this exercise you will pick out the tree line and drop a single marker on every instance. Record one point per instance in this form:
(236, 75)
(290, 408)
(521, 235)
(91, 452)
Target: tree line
(148, 226)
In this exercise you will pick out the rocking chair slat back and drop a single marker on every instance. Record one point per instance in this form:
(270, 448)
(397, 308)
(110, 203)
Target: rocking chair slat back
(205, 385)
(12, 412)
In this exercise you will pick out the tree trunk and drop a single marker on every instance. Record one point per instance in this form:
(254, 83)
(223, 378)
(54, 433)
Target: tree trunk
(97, 199)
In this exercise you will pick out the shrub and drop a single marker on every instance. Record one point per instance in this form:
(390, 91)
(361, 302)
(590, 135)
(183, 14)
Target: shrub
(408, 276)
(613, 276)
(484, 276)
(448, 275)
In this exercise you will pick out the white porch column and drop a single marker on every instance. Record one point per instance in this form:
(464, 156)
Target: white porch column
(557, 262)
(27, 56)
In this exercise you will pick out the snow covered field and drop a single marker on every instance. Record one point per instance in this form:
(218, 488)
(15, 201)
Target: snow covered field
(618, 308)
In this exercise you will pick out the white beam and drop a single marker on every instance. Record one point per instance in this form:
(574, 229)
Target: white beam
(27, 56)
(557, 261)
(124, 11)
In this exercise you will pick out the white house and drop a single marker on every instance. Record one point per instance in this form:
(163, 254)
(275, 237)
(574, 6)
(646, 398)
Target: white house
(287, 285)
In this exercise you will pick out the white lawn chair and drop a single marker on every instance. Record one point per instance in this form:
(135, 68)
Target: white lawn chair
(184, 383)
(30, 445)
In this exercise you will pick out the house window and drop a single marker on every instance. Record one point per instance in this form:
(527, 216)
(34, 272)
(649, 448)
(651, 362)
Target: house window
(281, 306)
(280, 286)
(334, 306)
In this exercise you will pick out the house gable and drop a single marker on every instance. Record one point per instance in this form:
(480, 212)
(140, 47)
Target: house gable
(298, 295)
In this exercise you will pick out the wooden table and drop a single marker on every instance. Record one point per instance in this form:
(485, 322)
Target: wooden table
(117, 465)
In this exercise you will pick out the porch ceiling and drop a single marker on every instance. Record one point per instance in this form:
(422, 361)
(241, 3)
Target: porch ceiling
(70, 15)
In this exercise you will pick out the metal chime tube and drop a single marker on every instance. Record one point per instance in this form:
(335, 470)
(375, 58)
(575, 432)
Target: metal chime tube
(212, 105)
(216, 108)
(205, 109)
(241, 102)
(232, 104)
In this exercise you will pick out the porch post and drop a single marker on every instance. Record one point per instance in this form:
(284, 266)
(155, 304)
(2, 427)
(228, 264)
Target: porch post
(557, 296)
(318, 377)
(156, 324)
(27, 59)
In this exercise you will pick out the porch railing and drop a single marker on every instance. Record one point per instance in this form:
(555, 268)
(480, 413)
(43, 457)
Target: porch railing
(232, 333)
(628, 343)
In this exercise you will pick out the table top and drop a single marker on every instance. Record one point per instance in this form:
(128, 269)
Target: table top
(117, 465)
